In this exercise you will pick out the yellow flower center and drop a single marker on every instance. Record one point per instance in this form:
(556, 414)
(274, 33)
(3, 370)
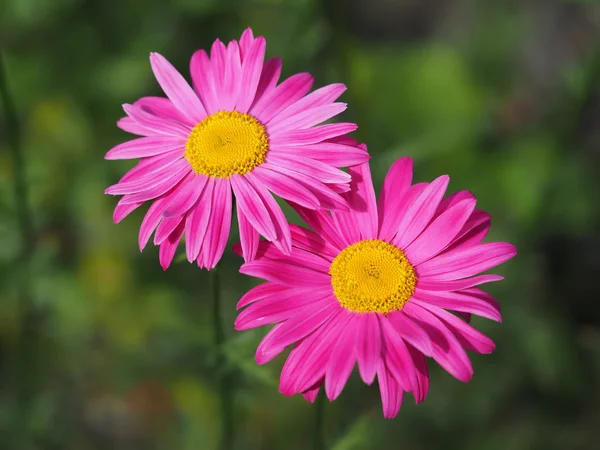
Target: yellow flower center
(226, 143)
(372, 276)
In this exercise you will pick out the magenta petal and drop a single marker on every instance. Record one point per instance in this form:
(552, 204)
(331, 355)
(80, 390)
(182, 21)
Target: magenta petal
(311, 394)
(396, 357)
(338, 155)
(455, 285)
(295, 329)
(161, 107)
(320, 97)
(123, 210)
(197, 221)
(465, 262)
(391, 394)
(313, 135)
(285, 274)
(232, 77)
(251, 70)
(169, 246)
(204, 81)
(342, 360)
(473, 232)
(218, 60)
(287, 188)
(148, 167)
(165, 228)
(440, 232)
(156, 124)
(275, 308)
(306, 119)
(307, 240)
(298, 257)
(419, 214)
(146, 146)
(283, 238)
(246, 42)
(150, 222)
(470, 338)
(471, 301)
(394, 213)
(186, 198)
(322, 172)
(322, 223)
(219, 225)
(177, 89)
(447, 350)
(421, 385)
(268, 79)
(396, 183)
(131, 126)
(410, 332)
(249, 237)
(253, 207)
(368, 346)
(274, 101)
(178, 171)
(259, 292)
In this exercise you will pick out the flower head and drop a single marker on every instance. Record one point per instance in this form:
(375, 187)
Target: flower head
(384, 285)
(236, 130)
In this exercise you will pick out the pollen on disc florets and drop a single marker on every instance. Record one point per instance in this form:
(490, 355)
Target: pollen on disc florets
(372, 276)
(225, 143)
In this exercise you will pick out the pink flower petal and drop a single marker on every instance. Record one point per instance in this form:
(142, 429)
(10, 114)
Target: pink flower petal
(146, 146)
(472, 301)
(275, 308)
(260, 292)
(320, 97)
(204, 82)
(395, 185)
(274, 101)
(368, 346)
(178, 171)
(219, 225)
(246, 42)
(419, 214)
(228, 94)
(156, 124)
(322, 223)
(338, 155)
(218, 60)
(177, 89)
(470, 338)
(391, 394)
(187, 197)
(287, 188)
(473, 232)
(295, 329)
(298, 257)
(395, 211)
(361, 222)
(150, 177)
(249, 237)
(150, 222)
(283, 238)
(306, 118)
(313, 135)
(268, 79)
(465, 262)
(285, 274)
(165, 228)
(410, 332)
(455, 285)
(161, 107)
(169, 246)
(311, 394)
(447, 350)
(131, 126)
(197, 221)
(307, 167)
(307, 240)
(342, 359)
(453, 199)
(149, 166)
(251, 70)
(421, 386)
(123, 210)
(396, 357)
(253, 207)
(440, 232)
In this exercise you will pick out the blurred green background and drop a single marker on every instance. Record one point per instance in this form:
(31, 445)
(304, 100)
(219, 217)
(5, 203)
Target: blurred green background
(101, 349)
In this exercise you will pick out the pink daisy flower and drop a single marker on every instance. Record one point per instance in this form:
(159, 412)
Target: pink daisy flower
(236, 130)
(383, 286)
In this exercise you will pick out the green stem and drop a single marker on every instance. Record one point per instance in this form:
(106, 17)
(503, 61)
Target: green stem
(318, 436)
(225, 385)
(25, 353)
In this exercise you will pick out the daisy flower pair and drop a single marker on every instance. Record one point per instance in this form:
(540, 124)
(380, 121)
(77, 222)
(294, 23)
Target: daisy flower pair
(379, 284)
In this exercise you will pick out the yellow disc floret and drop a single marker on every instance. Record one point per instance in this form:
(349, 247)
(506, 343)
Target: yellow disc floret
(372, 276)
(226, 143)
